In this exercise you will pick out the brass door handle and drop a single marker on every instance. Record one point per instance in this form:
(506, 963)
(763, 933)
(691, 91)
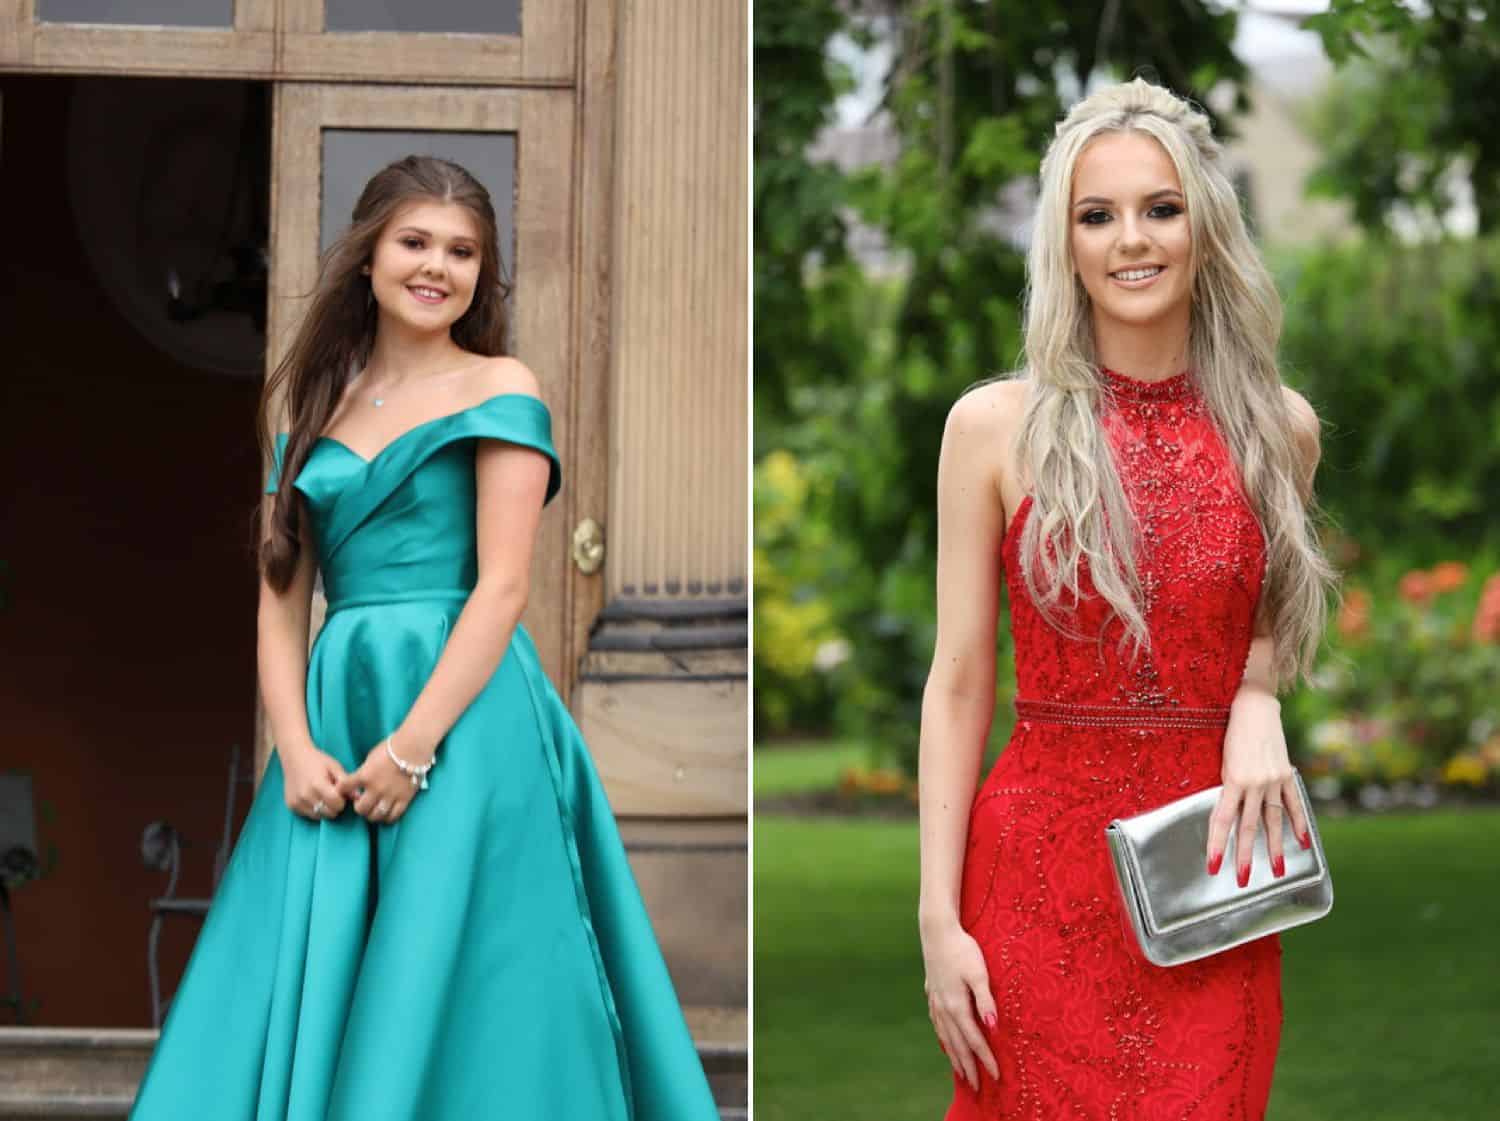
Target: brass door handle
(588, 546)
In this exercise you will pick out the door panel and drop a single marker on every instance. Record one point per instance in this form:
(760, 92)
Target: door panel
(462, 42)
(517, 41)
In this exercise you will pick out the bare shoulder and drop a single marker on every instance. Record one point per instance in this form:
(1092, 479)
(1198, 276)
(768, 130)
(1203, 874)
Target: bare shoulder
(505, 374)
(1304, 416)
(981, 430)
(1306, 432)
(989, 412)
(1306, 426)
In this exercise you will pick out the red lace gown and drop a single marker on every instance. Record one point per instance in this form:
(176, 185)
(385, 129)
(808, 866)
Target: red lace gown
(1085, 1029)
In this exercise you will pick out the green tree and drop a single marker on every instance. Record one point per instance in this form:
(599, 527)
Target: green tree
(797, 203)
(1414, 110)
(1409, 397)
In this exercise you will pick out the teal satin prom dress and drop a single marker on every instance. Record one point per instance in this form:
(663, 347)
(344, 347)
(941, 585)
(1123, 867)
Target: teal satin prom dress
(488, 955)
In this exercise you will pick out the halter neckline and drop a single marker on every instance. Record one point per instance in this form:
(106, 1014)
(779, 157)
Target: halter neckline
(1176, 387)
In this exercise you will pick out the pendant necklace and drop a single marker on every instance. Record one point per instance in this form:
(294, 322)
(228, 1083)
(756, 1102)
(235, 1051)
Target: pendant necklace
(379, 401)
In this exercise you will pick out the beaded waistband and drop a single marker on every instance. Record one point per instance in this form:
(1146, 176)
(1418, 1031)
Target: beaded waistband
(1121, 716)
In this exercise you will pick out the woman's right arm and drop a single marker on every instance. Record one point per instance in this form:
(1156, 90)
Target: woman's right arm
(958, 705)
(282, 620)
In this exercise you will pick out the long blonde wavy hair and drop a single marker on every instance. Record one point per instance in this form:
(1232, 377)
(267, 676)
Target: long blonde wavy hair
(1235, 322)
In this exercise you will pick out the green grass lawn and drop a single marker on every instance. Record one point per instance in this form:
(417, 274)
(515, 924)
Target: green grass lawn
(1392, 1002)
(796, 767)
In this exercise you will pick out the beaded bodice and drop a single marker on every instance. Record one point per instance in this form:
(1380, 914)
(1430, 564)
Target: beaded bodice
(1200, 562)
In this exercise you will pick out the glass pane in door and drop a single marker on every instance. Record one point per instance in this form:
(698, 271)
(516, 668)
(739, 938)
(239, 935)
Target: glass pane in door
(157, 13)
(481, 17)
(351, 156)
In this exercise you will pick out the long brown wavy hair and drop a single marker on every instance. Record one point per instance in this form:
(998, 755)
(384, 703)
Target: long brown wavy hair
(337, 335)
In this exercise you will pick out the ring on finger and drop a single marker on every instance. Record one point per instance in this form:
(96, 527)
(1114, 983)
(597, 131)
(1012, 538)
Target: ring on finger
(318, 809)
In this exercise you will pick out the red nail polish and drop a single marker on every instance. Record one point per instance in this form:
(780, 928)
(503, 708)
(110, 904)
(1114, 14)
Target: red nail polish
(990, 1021)
(1214, 862)
(1244, 876)
(1305, 840)
(1278, 866)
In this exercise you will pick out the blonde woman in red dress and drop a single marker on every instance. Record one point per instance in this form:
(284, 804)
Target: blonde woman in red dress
(1143, 489)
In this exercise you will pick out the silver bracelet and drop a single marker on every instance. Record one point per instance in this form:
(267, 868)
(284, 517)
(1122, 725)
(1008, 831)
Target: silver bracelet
(418, 775)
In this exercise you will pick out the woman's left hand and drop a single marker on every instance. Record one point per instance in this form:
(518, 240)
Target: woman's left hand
(378, 790)
(1259, 786)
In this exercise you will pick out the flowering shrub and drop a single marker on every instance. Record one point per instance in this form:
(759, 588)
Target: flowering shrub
(1407, 699)
(797, 641)
(874, 780)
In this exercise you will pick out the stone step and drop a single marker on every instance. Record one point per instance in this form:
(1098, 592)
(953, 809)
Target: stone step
(721, 1035)
(69, 1074)
(83, 1063)
(63, 1107)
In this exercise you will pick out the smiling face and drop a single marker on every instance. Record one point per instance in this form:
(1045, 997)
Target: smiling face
(426, 265)
(1131, 243)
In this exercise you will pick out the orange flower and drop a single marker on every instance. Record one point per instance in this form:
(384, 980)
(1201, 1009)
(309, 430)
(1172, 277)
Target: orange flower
(885, 782)
(1416, 587)
(1487, 615)
(1354, 614)
(1489, 595)
(1448, 576)
(851, 780)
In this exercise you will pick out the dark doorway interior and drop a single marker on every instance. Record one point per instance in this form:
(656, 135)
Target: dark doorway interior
(132, 328)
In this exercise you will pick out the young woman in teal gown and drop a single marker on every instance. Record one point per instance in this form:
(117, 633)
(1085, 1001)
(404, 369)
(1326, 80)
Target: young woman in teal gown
(428, 915)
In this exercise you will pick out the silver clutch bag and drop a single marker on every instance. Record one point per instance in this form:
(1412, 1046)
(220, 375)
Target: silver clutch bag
(1175, 912)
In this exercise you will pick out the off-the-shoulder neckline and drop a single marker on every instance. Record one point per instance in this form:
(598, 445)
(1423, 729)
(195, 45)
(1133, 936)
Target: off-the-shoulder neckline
(371, 460)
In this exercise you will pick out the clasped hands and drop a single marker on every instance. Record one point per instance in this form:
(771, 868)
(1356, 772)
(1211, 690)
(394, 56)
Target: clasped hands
(1259, 787)
(318, 787)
